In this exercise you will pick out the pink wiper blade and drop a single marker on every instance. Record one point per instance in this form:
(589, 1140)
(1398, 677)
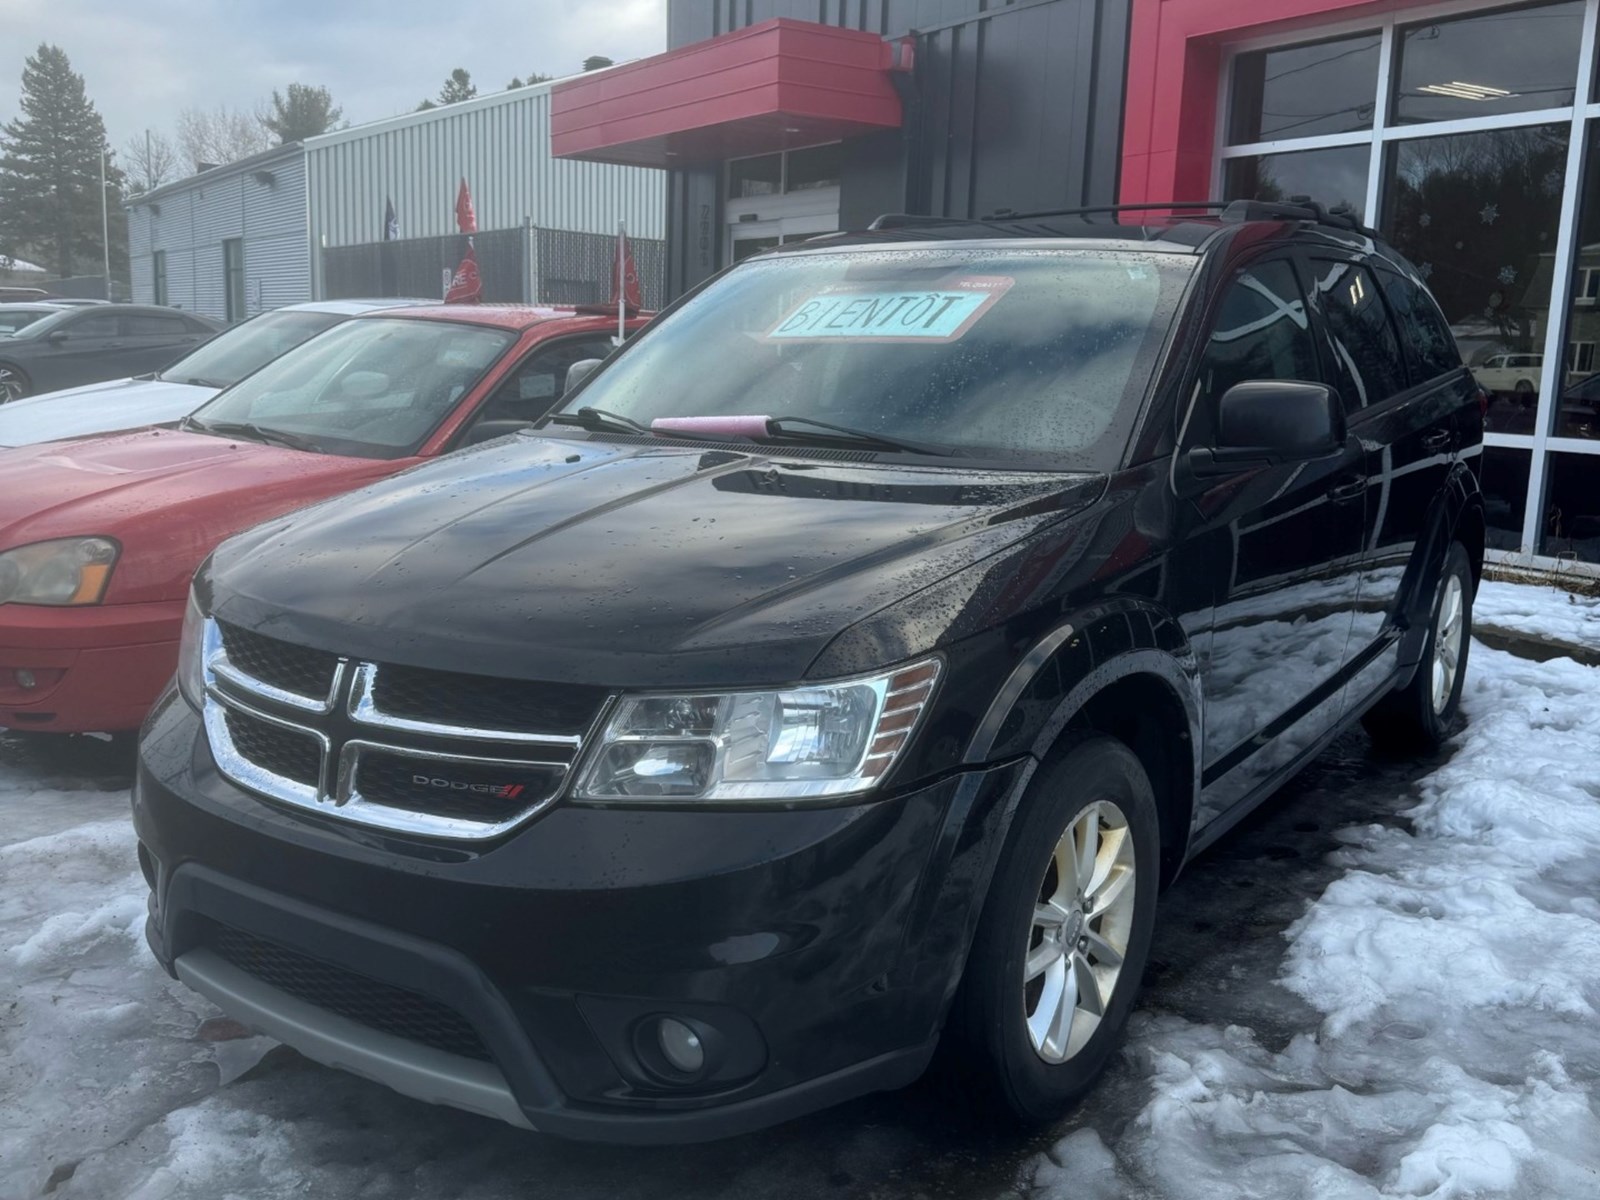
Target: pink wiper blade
(729, 426)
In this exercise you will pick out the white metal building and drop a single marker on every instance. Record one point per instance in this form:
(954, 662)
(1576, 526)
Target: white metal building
(239, 239)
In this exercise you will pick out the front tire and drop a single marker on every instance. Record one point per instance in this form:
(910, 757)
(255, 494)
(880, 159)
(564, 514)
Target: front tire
(1417, 717)
(14, 384)
(1065, 932)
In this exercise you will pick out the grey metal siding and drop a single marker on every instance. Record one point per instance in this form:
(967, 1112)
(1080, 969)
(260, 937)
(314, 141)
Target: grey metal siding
(262, 202)
(501, 145)
(1013, 105)
(140, 262)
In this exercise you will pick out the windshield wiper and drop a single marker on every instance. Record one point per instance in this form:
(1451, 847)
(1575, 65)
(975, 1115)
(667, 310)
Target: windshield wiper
(255, 433)
(192, 381)
(598, 420)
(784, 427)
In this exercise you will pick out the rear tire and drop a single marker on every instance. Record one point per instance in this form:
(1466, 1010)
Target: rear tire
(1065, 930)
(14, 383)
(1417, 717)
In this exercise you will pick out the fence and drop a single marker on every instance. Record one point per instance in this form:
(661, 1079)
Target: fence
(567, 267)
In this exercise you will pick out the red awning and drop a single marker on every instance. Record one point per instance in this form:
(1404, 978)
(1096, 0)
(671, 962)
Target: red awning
(772, 86)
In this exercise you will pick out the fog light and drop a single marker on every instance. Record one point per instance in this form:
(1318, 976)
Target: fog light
(680, 1046)
(25, 679)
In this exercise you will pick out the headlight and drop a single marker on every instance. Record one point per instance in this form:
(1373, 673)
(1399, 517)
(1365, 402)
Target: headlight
(834, 739)
(62, 572)
(195, 644)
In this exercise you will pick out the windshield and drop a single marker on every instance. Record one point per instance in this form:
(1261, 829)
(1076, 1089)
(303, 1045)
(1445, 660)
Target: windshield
(999, 353)
(244, 349)
(367, 388)
(14, 319)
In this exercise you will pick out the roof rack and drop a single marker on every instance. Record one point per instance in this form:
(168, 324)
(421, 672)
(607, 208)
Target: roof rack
(1296, 208)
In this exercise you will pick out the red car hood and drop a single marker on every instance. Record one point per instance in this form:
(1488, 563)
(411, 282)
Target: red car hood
(167, 497)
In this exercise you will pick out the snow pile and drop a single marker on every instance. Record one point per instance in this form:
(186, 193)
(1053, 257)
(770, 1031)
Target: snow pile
(95, 1041)
(1549, 612)
(1456, 966)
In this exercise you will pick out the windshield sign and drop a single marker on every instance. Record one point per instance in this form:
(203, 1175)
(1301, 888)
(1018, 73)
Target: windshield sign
(1028, 354)
(846, 312)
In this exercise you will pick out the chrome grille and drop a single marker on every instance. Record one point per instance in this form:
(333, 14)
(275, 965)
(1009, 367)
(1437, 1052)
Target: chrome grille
(297, 669)
(275, 748)
(474, 769)
(482, 702)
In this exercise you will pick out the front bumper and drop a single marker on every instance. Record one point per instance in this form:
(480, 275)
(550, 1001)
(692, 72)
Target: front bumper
(96, 669)
(816, 948)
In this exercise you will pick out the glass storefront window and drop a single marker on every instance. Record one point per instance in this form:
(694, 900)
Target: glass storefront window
(1476, 213)
(815, 167)
(1302, 91)
(1505, 495)
(1578, 414)
(749, 177)
(1488, 63)
(1571, 523)
(1333, 177)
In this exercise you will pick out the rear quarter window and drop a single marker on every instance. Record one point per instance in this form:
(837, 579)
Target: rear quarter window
(1423, 329)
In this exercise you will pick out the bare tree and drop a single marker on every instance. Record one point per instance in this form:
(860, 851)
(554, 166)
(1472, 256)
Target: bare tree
(219, 135)
(151, 161)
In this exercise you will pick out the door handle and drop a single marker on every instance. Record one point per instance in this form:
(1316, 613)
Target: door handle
(1348, 488)
(1437, 440)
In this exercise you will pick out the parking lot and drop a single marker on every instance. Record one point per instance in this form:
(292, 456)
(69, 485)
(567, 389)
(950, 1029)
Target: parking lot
(1384, 984)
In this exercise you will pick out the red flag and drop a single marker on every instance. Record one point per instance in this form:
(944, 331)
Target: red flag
(465, 286)
(625, 276)
(466, 218)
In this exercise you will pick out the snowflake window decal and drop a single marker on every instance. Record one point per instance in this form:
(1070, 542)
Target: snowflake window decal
(1508, 275)
(1489, 214)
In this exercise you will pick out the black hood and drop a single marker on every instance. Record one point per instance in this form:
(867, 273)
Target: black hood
(568, 560)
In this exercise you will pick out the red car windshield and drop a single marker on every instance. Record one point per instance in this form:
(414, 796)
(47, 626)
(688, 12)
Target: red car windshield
(235, 353)
(366, 388)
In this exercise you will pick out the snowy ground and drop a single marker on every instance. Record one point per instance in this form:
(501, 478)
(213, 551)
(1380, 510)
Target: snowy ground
(1543, 611)
(1384, 985)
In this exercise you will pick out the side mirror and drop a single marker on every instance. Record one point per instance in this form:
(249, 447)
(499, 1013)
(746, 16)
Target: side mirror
(56, 336)
(1268, 422)
(579, 371)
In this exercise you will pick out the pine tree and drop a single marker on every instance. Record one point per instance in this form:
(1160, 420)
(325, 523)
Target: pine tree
(50, 172)
(305, 112)
(458, 87)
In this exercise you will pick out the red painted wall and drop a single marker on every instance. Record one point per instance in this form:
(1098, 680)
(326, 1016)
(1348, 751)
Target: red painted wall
(1175, 58)
(767, 87)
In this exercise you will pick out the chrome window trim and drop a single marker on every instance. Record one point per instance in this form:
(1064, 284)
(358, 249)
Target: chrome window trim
(241, 770)
(349, 799)
(364, 709)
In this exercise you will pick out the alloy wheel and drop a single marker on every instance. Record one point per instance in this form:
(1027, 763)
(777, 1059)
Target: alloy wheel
(11, 386)
(1447, 642)
(1080, 930)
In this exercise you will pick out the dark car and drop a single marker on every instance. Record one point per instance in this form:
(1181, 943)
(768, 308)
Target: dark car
(840, 672)
(88, 343)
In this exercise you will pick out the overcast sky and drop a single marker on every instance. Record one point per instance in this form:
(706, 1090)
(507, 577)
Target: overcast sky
(145, 60)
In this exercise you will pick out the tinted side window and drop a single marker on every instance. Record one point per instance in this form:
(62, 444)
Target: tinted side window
(1363, 335)
(96, 325)
(142, 326)
(1260, 332)
(1423, 328)
(534, 386)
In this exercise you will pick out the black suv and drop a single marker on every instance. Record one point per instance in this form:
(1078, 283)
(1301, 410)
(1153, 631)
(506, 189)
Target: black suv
(842, 671)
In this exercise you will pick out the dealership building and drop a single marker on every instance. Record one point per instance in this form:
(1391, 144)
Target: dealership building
(307, 220)
(1468, 133)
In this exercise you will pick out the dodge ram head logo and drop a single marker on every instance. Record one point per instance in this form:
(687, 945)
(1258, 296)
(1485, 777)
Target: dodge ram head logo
(508, 791)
